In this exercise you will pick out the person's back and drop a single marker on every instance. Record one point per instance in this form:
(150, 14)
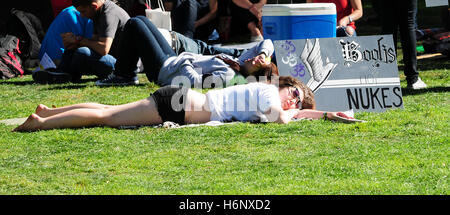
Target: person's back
(246, 102)
(110, 23)
(69, 20)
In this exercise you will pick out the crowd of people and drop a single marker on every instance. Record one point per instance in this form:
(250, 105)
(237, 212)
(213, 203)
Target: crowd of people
(98, 37)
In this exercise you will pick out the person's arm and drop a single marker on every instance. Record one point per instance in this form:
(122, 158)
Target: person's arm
(317, 114)
(278, 115)
(265, 46)
(209, 16)
(101, 46)
(355, 15)
(255, 9)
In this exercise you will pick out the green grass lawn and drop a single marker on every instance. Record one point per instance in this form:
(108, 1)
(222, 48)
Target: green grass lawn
(403, 151)
(397, 152)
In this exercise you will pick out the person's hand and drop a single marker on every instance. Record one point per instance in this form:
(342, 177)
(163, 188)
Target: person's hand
(259, 5)
(262, 58)
(344, 21)
(255, 10)
(336, 115)
(69, 40)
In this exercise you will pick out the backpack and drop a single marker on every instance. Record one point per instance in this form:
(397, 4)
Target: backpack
(10, 61)
(439, 42)
(28, 28)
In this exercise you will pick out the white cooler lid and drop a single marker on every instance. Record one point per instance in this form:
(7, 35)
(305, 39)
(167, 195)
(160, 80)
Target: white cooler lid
(299, 9)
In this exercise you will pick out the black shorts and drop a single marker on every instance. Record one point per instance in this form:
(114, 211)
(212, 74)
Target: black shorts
(168, 110)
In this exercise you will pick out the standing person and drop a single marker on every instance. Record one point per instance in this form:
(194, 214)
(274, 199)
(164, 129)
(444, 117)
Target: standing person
(401, 15)
(348, 11)
(161, 64)
(247, 14)
(96, 55)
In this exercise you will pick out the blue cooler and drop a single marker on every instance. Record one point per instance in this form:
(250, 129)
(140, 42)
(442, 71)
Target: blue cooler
(299, 21)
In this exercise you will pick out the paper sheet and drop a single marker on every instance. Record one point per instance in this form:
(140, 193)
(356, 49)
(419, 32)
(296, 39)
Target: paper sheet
(435, 3)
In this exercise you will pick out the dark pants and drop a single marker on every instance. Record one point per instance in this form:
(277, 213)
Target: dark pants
(185, 44)
(185, 13)
(401, 15)
(85, 61)
(142, 39)
(341, 32)
(241, 17)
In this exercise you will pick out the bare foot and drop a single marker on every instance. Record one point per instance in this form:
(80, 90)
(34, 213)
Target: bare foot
(41, 110)
(33, 123)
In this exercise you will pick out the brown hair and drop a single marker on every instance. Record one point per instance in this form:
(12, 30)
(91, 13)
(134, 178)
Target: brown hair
(288, 81)
(267, 70)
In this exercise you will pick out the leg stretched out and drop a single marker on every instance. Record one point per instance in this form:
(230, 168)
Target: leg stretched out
(44, 111)
(142, 112)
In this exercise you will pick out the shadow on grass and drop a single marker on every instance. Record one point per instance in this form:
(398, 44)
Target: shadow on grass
(133, 85)
(439, 63)
(408, 92)
(67, 87)
(17, 83)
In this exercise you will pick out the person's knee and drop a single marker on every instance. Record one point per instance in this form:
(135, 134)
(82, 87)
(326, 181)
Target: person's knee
(82, 51)
(251, 25)
(104, 117)
(133, 22)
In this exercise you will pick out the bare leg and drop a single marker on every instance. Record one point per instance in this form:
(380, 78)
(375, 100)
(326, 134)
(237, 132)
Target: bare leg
(142, 112)
(254, 30)
(44, 111)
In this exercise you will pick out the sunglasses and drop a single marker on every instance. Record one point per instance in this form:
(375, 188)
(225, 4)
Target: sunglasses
(296, 95)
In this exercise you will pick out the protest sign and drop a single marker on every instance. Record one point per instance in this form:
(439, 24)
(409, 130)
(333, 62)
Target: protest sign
(358, 73)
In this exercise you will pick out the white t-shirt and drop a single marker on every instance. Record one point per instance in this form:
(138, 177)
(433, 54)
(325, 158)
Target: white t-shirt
(246, 102)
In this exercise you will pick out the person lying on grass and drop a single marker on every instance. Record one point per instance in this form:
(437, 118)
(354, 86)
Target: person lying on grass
(280, 102)
(141, 39)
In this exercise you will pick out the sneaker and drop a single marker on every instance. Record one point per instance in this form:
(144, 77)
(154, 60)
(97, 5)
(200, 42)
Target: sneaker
(419, 84)
(114, 80)
(51, 77)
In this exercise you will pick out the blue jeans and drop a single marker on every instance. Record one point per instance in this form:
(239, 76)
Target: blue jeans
(185, 44)
(84, 61)
(341, 32)
(141, 38)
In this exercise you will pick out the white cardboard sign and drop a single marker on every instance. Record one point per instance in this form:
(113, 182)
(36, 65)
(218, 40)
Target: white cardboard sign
(358, 73)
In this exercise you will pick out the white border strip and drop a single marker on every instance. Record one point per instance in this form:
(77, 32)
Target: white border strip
(361, 82)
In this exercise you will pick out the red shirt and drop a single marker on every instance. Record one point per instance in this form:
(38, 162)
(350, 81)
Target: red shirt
(59, 5)
(343, 8)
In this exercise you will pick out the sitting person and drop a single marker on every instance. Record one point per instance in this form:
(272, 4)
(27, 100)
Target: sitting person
(193, 18)
(94, 55)
(68, 20)
(246, 15)
(348, 11)
(143, 40)
(255, 102)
